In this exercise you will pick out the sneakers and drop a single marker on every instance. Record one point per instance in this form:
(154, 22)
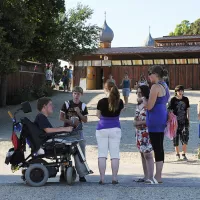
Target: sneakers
(178, 157)
(82, 179)
(184, 157)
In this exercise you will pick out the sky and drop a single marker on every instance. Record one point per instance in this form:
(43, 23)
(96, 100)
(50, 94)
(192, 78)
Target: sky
(130, 19)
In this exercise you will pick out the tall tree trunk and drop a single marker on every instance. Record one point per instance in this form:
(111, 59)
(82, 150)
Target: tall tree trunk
(3, 89)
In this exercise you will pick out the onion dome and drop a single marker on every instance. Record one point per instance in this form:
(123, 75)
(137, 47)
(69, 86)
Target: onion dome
(106, 34)
(149, 41)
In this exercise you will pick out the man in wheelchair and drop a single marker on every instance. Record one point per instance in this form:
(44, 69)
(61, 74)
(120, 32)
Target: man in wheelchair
(51, 148)
(45, 108)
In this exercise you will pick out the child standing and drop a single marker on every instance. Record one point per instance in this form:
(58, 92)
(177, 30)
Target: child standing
(180, 105)
(142, 136)
(73, 113)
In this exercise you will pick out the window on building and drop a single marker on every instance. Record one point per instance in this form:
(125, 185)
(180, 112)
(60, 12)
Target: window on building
(116, 62)
(106, 62)
(85, 63)
(159, 62)
(137, 62)
(96, 63)
(80, 63)
(170, 61)
(89, 62)
(193, 61)
(76, 63)
(148, 62)
(126, 62)
(181, 61)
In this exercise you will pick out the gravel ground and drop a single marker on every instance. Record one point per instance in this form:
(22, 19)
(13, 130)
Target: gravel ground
(181, 179)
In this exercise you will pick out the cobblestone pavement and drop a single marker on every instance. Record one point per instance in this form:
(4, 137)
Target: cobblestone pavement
(181, 179)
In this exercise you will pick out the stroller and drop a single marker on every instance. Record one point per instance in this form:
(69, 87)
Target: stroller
(48, 151)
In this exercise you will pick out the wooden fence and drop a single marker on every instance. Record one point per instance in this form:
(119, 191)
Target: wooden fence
(28, 74)
(187, 75)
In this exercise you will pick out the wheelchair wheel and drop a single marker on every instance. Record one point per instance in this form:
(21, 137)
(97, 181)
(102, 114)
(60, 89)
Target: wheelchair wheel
(36, 175)
(69, 175)
(74, 174)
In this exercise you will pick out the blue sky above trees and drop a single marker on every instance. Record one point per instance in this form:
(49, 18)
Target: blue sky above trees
(130, 19)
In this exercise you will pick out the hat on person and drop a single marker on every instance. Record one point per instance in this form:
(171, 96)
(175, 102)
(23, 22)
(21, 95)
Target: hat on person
(78, 89)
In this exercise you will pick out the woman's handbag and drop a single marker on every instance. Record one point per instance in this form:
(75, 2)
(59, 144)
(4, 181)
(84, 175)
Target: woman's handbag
(172, 125)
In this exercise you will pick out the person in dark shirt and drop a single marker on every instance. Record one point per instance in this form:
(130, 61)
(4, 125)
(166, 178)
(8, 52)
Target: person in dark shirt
(180, 105)
(45, 108)
(108, 132)
(65, 80)
(73, 113)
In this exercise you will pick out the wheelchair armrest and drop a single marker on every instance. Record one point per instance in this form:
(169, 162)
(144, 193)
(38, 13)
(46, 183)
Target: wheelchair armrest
(57, 133)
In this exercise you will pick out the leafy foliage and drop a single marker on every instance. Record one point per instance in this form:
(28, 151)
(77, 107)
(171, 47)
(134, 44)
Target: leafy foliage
(40, 30)
(16, 32)
(79, 37)
(46, 14)
(187, 28)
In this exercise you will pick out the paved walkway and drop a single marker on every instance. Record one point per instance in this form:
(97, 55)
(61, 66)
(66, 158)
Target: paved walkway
(181, 179)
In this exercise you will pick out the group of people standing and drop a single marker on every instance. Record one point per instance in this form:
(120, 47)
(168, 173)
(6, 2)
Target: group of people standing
(67, 78)
(150, 122)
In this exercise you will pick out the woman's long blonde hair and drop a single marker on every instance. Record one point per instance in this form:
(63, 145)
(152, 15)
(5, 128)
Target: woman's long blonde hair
(114, 96)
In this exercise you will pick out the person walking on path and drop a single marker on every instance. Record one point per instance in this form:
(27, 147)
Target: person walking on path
(126, 87)
(142, 136)
(111, 79)
(70, 76)
(180, 105)
(65, 78)
(108, 132)
(157, 115)
(49, 76)
(65, 81)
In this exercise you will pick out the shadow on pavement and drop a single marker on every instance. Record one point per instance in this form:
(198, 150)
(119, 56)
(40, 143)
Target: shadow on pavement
(169, 180)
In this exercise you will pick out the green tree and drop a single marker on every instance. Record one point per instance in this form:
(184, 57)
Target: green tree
(181, 29)
(79, 37)
(195, 28)
(187, 28)
(16, 32)
(42, 31)
(45, 46)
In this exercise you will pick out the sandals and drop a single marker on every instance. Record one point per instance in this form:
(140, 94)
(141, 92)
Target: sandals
(115, 182)
(140, 180)
(154, 181)
(101, 183)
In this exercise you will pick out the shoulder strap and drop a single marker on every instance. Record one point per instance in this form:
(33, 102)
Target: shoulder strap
(83, 106)
(67, 103)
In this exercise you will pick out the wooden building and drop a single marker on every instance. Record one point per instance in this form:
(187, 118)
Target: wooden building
(180, 55)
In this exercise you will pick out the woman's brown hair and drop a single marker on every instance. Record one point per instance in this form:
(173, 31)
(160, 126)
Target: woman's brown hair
(114, 96)
(159, 70)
